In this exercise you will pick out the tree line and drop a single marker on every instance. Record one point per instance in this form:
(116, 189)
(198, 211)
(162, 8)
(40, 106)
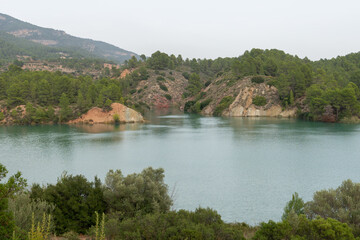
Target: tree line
(329, 86)
(138, 206)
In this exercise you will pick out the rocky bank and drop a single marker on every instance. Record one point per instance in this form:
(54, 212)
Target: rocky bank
(98, 115)
(243, 92)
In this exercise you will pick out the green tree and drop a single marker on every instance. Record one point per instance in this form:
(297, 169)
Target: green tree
(76, 200)
(65, 110)
(14, 184)
(194, 85)
(137, 194)
(295, 205)
(340, 204)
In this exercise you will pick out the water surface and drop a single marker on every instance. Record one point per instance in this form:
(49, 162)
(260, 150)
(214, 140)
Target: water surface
(245, 168)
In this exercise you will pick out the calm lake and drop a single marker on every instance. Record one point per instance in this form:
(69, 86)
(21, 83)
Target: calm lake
(245, 168)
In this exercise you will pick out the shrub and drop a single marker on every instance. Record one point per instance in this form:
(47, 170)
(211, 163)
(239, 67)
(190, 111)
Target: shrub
(259, 101)
(207, 83)
(171, 78)
(132, 91)
(163, 87)
(2, 116)
(71, 236)
(186, 75)
(168, 97)
(200, 224)
(204, 103)
(160, 78)
(116, 118)
(224, 103)
(340, 204)
(257, 79)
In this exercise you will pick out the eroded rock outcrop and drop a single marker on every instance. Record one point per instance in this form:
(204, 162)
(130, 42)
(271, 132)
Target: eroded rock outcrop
(97, 115)
(244, 91)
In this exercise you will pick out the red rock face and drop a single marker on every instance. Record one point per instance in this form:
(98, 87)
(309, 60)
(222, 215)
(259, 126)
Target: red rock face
(97, 115)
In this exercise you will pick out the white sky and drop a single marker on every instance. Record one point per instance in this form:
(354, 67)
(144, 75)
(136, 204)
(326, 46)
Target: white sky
(203, 28)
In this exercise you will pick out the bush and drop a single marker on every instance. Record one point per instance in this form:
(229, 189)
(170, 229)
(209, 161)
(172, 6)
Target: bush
(257, 79)
(340, 204)
(259, 101)
(204, 103)
(201, 224)
(132, 91)
(71, 236)
(224, 103)
(116, 118)
(186, 75)
(168, 97)
(2, 116)
(163, 87)
(160, 78)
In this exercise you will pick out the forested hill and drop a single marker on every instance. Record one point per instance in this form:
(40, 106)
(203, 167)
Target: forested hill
(257, 83)
(60, 40)
(326, 90)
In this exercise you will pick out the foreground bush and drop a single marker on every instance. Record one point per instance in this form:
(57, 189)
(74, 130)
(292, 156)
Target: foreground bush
(299, 227)
(201, 224)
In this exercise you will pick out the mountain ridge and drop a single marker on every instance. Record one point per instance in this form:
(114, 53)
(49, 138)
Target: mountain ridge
(60, 39)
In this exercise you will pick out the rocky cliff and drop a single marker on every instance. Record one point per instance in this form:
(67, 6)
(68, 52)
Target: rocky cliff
(97, 115)
(243, 91)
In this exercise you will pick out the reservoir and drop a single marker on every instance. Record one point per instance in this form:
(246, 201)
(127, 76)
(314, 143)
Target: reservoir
(245, 168)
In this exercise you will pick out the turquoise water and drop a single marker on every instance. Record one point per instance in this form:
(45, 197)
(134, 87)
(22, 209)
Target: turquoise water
(245, 168)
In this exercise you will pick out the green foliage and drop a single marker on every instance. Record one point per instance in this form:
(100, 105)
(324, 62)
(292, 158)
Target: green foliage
(73, 95)
(116, 118)
(163, 87)
(257, 79)
(65, 110)
(2, 116)
(159, 61)
(340, 204)
(13, 184)
(24, 208)
(137, 194)
(224, 103)
(259, 101)
(186, 75)
(40, 230)
(201, 224)
(75, 199)
(295, 205)
(194, 85)
(71, 236)
(168, 97)
(302, 228)
(160, 78)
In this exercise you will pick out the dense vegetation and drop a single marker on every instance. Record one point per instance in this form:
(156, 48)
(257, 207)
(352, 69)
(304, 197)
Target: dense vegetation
(138, 206)
(330, 87)
(57, 97)
(326, 90)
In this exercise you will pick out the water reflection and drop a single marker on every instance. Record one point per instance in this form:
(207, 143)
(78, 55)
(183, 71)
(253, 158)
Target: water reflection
(101, 128)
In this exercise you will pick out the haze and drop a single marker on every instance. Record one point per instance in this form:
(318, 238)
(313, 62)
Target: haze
(203, 29)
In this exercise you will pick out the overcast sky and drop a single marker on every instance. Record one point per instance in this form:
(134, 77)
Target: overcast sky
(203, 28)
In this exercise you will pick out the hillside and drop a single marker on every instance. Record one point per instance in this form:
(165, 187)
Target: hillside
(57, 41)
(257, 83)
